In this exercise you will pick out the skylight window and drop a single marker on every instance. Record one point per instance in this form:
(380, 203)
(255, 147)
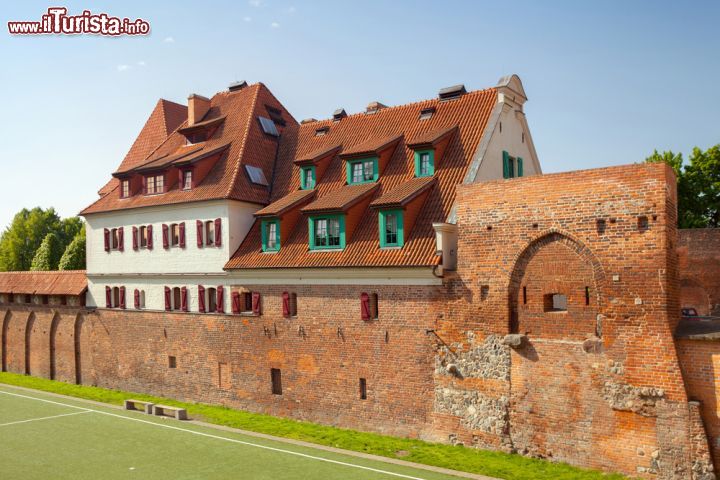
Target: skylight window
(322, 131)
(257, 176)
(268, 126)
(427, 113)
(275, 115)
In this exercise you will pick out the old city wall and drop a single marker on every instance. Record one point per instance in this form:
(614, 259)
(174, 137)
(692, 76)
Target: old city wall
(699, 257)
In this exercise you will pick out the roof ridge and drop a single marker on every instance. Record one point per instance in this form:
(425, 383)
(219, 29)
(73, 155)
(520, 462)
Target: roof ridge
(243, 145)
(165, 103)
(402, 105)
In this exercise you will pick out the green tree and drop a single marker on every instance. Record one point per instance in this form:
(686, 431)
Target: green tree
(23, 237)
(74, 256)
(69, 229)
(675, 160)
(702, 178)
(48, 255)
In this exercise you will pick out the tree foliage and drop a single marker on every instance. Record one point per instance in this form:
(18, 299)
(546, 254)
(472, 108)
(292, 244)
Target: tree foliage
(21, 240)
(698, 186)
(74, 256)
(48, 255)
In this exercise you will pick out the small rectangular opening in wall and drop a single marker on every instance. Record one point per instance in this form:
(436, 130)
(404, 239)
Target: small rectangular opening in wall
(293, 304)
(276, 379)
(587, 295)
(363, 389)
(600, 226)
(524, 295)
(374, 305)
(642, 223)
(172, 361)
(555, 302)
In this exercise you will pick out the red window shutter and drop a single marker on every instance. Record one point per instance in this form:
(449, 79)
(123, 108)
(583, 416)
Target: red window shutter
(106, 233)
(108, 297)
(256, 303)
(137, 299)
(286, 304)
(220, 300)
(122, 297)
(166, 236)
(180, 180)
(236, 302)
(182, 235)
(199, 233)
(167, 298)
(144, 185)
(121, 239)
(201, 299)
(183, 299)
(135, 238)
(218, 232)
(149, 237)
(365, 306)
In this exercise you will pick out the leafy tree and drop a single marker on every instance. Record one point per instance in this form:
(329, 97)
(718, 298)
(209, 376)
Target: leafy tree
(74, 256)
(69, 229)
(702, 177)
(24, 236)
(698, 186)
(48, 255)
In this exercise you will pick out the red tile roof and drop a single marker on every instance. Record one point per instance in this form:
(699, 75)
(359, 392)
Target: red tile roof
(403, 193)
(227, 180)
(318, 154)
(286, 203)
(164, 119)
(428, 139)
(470, 113)
(372, 146)
(341, 199)
(66, 282)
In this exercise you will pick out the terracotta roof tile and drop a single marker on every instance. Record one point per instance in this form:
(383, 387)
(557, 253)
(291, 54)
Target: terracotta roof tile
(164, 119)
(403, 193)
(431, 137)
(371, 146)
(318, 154)
(248, 145)
(341, 199)
(66, 282)
(286, 203)
(470, 113)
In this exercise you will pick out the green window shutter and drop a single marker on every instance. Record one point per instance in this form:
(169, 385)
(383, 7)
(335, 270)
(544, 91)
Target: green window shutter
(506, 164)
(342, 231)
(263, 234)
(520, 167)
(311, 232)
(349, 167)
(401, 227)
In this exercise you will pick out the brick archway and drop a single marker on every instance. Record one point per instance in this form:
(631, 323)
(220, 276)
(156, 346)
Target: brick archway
(555, 273)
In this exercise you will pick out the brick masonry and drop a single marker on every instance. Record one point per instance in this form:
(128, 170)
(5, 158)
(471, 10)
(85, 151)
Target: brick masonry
(483, 360)
(699, 255)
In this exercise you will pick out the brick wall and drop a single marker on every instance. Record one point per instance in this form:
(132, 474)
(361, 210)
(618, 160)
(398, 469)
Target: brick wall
(699, 253)
(598, 384)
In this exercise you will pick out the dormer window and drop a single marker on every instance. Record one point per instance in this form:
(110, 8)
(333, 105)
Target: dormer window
(327, 232)
(307, 178)
(154, 184)
(391, 228)
(196, 137)
(362, 171)
(424, 163)
(125, 189)
(270, 235)
(187, 180)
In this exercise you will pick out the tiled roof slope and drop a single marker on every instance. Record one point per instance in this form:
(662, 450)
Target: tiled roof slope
(164, 119)
(228, 179)
(66, 282)
(470, 113)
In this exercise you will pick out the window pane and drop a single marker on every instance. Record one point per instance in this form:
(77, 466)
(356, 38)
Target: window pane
(369, 168)
(125, 188)
(209, 232)
(159, 183)
(150, 182)
(175, 234)
(391, 229)
(143, 236)
(309, 178)
(272, 235)
(333, 232)
(187, 185)
(357, 174)
(321, 233)
(425, 164)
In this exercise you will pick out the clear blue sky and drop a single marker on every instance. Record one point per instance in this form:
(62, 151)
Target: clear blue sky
(607, 82)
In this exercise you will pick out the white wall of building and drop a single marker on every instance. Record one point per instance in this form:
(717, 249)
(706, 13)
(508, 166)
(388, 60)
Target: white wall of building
(237, 218)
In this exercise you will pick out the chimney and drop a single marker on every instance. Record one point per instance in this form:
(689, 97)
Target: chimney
(308, 120)
(451, 93)
(235, 86)
(339, 114)
(198, 106)
(374, 107)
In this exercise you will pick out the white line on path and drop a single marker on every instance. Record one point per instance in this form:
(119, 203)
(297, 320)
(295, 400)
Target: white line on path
(43, 418)
(281, 450)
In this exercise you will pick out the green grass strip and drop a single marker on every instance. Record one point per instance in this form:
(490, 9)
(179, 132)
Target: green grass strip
(494, 464)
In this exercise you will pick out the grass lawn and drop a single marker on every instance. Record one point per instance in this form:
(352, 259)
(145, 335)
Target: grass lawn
(494, 464)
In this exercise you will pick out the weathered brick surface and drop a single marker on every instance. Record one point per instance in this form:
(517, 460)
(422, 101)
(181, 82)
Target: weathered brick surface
(596, 385)
(699, 252)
